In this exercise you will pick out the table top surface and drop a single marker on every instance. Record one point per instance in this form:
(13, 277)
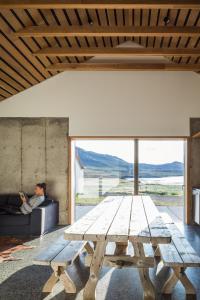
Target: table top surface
(119, 219)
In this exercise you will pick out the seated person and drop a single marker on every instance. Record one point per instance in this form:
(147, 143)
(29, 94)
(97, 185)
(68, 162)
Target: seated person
(27, 205)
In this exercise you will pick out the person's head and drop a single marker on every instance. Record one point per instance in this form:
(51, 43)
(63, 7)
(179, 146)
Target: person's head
(40, 189)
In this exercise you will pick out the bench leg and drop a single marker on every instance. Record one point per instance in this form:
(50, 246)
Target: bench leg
(95, 267)
(179, 274)
(148, 288)
(50, 284)
(63, 276)
(189, 288)
(170, 284)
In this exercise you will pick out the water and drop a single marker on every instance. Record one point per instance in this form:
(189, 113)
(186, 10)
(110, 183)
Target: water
(173, 180)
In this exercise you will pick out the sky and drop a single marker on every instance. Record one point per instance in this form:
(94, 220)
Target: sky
(152, 152)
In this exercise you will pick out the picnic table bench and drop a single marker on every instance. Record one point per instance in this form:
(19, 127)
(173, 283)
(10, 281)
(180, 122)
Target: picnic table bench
(128, 220)
(178, 255)
(59, 256)
(121, 219)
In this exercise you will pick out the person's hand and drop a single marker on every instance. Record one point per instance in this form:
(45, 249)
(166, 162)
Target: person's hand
(23, 199)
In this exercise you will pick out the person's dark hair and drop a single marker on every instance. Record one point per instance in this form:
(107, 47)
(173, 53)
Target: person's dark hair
(42, 186)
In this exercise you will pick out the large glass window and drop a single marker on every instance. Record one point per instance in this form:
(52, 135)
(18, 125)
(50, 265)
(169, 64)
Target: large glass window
(161, 174)
(110, 167)
(102, 168)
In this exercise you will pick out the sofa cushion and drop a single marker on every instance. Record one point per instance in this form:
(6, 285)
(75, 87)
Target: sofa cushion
(46, 202)
(14, 220)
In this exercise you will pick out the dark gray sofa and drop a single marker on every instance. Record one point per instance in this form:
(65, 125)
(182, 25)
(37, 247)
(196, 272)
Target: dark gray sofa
(39, 222)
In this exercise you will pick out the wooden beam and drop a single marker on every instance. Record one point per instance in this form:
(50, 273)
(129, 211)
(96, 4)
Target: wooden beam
(117, 52)
(55, 30)
(196, 135)
(123, 67)
(100, 4)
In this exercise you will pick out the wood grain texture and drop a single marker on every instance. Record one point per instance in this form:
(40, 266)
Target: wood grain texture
(22, 68)
(124, 67)
(54, 30)
(101, 4)
(116, 52)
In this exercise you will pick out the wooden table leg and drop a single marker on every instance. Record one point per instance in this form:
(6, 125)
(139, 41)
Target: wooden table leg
(148, 288)
(95, 267)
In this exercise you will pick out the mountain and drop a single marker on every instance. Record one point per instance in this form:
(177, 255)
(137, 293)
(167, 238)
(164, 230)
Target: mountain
(96, 164)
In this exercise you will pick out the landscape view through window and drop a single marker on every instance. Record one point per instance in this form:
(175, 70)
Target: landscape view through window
(106, 168)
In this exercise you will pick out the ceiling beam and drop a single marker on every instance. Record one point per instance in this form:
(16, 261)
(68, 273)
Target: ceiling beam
(123, 67)
(117, 52)
(55, 30)
(100, 4)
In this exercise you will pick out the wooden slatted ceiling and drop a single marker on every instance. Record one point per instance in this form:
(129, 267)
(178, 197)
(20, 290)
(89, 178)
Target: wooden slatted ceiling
(20, 69)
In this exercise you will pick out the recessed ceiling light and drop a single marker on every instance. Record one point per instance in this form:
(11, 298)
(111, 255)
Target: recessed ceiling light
(166, 20)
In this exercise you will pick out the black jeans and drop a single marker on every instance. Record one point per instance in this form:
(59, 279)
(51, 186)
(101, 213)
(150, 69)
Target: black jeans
(11, 210)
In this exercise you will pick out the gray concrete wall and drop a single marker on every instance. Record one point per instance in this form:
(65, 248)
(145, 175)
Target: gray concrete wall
(35, 150)
(195, 155)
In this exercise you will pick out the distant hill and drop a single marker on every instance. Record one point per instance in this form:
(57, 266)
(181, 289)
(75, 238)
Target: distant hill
(96, 165)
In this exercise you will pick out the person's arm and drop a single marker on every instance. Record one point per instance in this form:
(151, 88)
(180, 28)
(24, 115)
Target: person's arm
(25, 207)
(33, 202)
(23, 198)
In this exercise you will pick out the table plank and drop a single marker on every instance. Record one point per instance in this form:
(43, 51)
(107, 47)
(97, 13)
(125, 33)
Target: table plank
(79, 228)
(139, 229)
(119, 229)
(158, 229)
(99, 229)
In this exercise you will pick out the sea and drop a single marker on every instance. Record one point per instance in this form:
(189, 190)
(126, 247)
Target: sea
(173, 180)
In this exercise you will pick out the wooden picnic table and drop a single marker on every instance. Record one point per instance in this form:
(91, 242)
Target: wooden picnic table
(121, 219)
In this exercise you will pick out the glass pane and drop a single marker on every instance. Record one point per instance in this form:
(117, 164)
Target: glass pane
(161, 174)
(102, 168)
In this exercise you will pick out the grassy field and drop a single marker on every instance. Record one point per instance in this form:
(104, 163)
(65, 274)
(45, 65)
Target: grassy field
(166, 195)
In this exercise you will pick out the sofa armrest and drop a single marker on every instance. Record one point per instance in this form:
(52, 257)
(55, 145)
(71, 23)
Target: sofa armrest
(43, 218)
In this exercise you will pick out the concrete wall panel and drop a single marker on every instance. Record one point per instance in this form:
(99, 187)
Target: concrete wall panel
(33, 153)
(57, 162)
(10, 155)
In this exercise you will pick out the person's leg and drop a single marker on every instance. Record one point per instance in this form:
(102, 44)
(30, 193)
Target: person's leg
(11, 210)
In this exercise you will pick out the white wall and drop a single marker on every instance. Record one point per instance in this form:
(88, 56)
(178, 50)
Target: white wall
(113, 103)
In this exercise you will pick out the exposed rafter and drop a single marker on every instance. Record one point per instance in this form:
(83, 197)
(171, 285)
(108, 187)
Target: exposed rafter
(100, 27)
(100, 4)
(103, 31)
(124, 67)
(117, 52)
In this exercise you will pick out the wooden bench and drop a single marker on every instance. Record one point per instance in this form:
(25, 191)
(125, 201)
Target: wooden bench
(178, 255)
(59, 256)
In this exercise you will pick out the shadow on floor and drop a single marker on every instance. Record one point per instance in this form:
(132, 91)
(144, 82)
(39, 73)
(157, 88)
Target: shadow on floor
(28, 283)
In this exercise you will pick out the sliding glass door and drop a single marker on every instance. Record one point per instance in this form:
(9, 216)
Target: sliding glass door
(102, 168)
(114, 167)
(161, 174)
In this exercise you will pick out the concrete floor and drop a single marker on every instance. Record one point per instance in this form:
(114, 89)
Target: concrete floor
(21, 280)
